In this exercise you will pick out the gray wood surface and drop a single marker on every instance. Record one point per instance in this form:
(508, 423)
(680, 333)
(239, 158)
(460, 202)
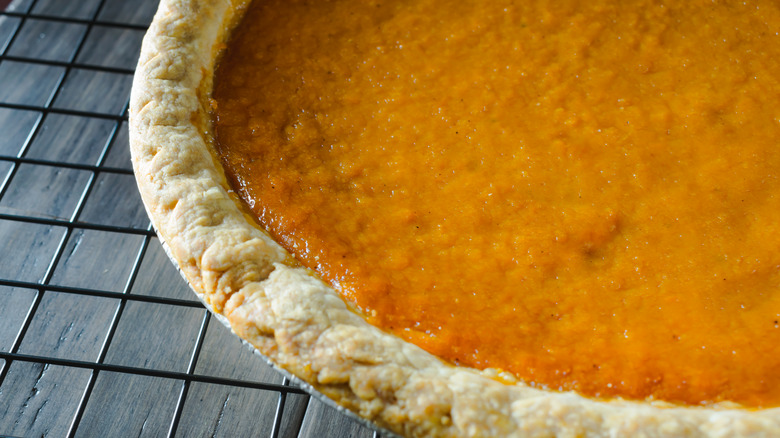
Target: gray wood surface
(83, 280)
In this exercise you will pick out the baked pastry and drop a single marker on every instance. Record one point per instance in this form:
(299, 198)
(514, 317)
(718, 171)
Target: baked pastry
(298, 321)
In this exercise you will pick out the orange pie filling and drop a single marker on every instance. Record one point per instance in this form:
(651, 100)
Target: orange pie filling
(584, 194)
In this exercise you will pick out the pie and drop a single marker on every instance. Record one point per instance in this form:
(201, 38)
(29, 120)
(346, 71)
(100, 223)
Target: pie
(552, 165)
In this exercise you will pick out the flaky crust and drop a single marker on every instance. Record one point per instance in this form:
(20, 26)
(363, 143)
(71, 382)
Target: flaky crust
(297, 321)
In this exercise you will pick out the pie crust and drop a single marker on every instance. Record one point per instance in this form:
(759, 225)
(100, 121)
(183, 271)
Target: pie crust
(301, 324)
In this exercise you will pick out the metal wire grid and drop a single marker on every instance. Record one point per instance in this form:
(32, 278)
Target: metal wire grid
(62, 229)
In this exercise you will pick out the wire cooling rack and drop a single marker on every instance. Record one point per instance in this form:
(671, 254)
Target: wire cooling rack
(99, 335)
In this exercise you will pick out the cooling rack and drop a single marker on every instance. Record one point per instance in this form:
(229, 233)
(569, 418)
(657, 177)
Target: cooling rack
(99, 335)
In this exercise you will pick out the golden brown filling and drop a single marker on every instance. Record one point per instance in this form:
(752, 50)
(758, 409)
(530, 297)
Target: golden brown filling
(582, 193)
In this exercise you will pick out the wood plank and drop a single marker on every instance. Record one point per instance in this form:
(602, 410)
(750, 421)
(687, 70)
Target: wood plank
(5, 173)
(223, 411)
(68, 326)
(19, 5)
(83, 9)
(158, 277)
(115, 200)
(129, 405)
(223, 355)
(119, 153)
(94, 91)
(47, 40)
(213, 410)
(141, 405)
(26, 249)
(40, 399)
(97, 260)
(28, 84)
(8, 27)
(71, 139)
(112, 47)
(323, 421)
(16, 126)
(121, 11)
(65, 326)
(16, 306)
(292, 417)
(44, 191)
(155, 336)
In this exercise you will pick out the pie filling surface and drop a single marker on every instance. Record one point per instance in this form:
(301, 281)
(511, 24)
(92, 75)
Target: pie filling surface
(584, 194)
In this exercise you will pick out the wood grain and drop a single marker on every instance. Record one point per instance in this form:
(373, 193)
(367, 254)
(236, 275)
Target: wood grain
(322, 419)
(26, 249)
(94, 91)
(107, 47)
(44, 191)
(16, 303)
(48, 40)
(28, 84)
(71, 139)
(16, 126)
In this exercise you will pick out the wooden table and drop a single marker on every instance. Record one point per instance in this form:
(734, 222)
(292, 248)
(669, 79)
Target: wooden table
(99, 335)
